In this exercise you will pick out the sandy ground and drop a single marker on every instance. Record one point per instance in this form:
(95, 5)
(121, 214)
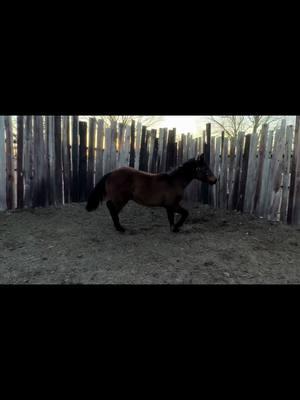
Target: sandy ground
(70, 246)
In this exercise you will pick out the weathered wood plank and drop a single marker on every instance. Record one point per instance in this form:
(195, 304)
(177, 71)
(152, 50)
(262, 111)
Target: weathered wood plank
(151, 149)
(66, 158)
(20, 167)
(113, 146)
(143, 150)
(50, 155)
(206, 191)
(286, 173)
(218, 158)
(107, 151)
(223, 174)
(296, 194)
(132, 144)
(276, 177)
(3, 204)
(244, 173)
(231, 161)
(58, 160)
(138, 144)
(262, 159)
(212, 167)
(82, 161)
(91, 155)
(251, 175)
(28, 161)
(10, 177)
(100, 150)
(75, 158)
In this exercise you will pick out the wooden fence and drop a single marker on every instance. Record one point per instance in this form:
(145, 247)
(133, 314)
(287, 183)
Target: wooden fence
(55, 160)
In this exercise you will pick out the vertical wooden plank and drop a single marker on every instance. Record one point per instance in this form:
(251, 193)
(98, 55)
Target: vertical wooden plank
(28, 162)
(10, 199)
(121, 132)
(184, 148)
(138, 144)
(231, 162)
(127, 146)
(218, 158)
(107, 151)
(113, 148)
(266, 182)
(234, 194)
(50, 139)
(148, 134)
(276, 177)
(251, 175)
(20, 176)
(3, 204)
(132, 145)
(75, 158)
(223, 174)
(100, 150)
(244, 173)
(91, 155)
(151, 149)
(82, 161)
(58, 160)
(206, 193)
(296, 194)
(212, 168)
(262, 158)
(164, 151)
(40, 169)
(142, 149)
(286, 173)
(66, 158)
(154, 166)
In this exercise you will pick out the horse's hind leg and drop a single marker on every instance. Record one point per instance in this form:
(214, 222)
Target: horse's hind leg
(114, 210)
(184, 214)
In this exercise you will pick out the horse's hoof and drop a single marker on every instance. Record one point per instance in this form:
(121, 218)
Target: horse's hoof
(121, 230)
(175, 230)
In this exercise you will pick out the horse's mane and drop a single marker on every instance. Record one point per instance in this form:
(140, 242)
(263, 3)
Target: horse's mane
(190, 163)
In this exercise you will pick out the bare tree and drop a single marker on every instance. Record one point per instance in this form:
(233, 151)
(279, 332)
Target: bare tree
(230, 124)
(256, 121)
(147, 120)
(233, 124)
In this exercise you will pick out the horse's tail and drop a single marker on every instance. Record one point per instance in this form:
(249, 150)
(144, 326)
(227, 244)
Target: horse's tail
(97, 194)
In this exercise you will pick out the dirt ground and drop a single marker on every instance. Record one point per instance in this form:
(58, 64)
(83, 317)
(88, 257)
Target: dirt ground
(70, 246)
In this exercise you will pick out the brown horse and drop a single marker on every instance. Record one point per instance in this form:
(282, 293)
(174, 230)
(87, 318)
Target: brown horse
(151, 190)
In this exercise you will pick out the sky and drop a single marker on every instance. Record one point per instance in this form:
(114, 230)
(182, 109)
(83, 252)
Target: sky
(184, 123)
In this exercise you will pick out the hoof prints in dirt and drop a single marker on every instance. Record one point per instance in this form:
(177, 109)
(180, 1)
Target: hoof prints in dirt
(70, 246)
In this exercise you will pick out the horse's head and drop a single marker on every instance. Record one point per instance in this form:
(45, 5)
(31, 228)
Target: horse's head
(203, 172)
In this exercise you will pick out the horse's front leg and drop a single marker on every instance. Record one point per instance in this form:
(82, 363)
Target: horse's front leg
(184, 214)
(170, 213)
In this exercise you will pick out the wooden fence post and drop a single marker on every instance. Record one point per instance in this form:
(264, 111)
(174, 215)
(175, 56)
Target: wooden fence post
(223, 174)
(132, 144)
(99, 150)
(286, 173)
(245, 162)
(3, 204)
(82, 161)
(143, 150)
(296, 194)
(66, 158)
(10, 180)
(50, 139)
(206, 193)
(234, 194)
(91, 155)
(20, 167)
(251, 175)
(58, 160)
(138, 145)
(75, 158)
(276, 174)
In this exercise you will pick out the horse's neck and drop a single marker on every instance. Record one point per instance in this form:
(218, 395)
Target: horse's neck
(182, 177)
